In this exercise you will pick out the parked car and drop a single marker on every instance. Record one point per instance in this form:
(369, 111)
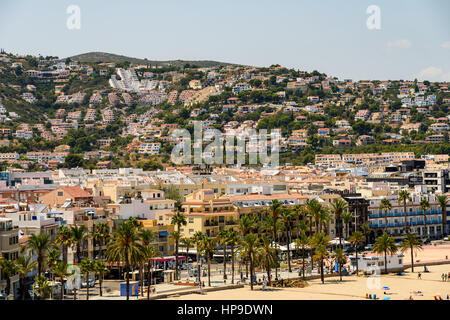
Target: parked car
(427, 241)
(368, 247)
(446, 239)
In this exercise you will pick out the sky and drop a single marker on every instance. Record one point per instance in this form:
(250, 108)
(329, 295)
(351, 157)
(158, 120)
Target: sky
(412, 41)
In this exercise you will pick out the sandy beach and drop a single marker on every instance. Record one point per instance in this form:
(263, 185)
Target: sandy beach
(354, 287)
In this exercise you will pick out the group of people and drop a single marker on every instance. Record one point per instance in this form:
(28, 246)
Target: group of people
(445, 276)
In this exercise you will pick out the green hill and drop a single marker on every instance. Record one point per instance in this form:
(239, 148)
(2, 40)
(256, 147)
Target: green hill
(94, 57)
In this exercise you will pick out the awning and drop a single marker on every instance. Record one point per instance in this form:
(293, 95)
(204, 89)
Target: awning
(163, 233)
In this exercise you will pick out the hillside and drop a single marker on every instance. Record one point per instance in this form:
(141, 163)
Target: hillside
(110, 57)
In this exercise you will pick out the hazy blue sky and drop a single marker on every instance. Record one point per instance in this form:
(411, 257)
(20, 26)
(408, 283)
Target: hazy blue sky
(329, 36)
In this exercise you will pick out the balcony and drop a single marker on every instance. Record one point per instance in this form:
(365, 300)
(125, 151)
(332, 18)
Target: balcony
(230, 222)
(211, 224)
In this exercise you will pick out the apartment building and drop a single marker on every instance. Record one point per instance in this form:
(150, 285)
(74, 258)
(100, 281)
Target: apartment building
(428, 225)
(9, 249)
(208, 213)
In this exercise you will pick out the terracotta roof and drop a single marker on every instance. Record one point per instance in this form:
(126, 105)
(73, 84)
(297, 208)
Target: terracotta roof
(76, 192)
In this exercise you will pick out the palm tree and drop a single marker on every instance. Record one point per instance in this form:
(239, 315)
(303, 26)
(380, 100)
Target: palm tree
(411, 242)
(187, 243)
(178, 219)
(313, 208)
(9, 269)
(249, 248)
(208, 246)
(53, 255)
(147, 237)
(386, 206)
(346, 218)
(247, 223)
(100, 270)
(222, 239)
(60, 270)
(267, 257)
(286, 217)
(338, 207)
(101, 235)
(341, 259)
(42, 285)
(404, 196)
(125, 248)
(324, 217)
(233, 240)
(385, 244)
(198, 236)
(443, 201)
(39, 244)
(86, 267)
(321, 241)
(365, 229)
(357, 238)
(302, 243)
(299, 211)
(424, 206)
(63, 239)
(274, 211)
(79, 234)
(24, 266)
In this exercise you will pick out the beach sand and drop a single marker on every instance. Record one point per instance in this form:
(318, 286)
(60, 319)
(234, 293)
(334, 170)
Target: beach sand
(355, 287)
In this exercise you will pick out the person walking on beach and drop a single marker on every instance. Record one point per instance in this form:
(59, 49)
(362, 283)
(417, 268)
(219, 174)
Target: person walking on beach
(442, 277)
(419, 276)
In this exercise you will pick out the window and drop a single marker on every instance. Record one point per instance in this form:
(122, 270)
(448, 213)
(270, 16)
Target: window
(191, 220)
(191, 231)
(60, 193)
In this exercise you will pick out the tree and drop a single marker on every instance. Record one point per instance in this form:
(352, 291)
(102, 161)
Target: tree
(403, 197)
(222, 239)
(338, 207)
(384, 244)
(86, 267)
(267, 257)
(63, 239)
(303, 244)
(24, 265)
(233, 240)
(386, 206)
(424, 206)
(340, 258)
(39, 244)
(208, 245)
(321, 241)
(60, 271)
(286, 217)
(412, 243)
(443, 202)
(125, 248)
(101, 235)
(178, 219)
(146, 236)
(79, 234)
(346, 218)
(8, 269)
(357, 238)
(42, 285)
(249, 247)
(74, 161)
